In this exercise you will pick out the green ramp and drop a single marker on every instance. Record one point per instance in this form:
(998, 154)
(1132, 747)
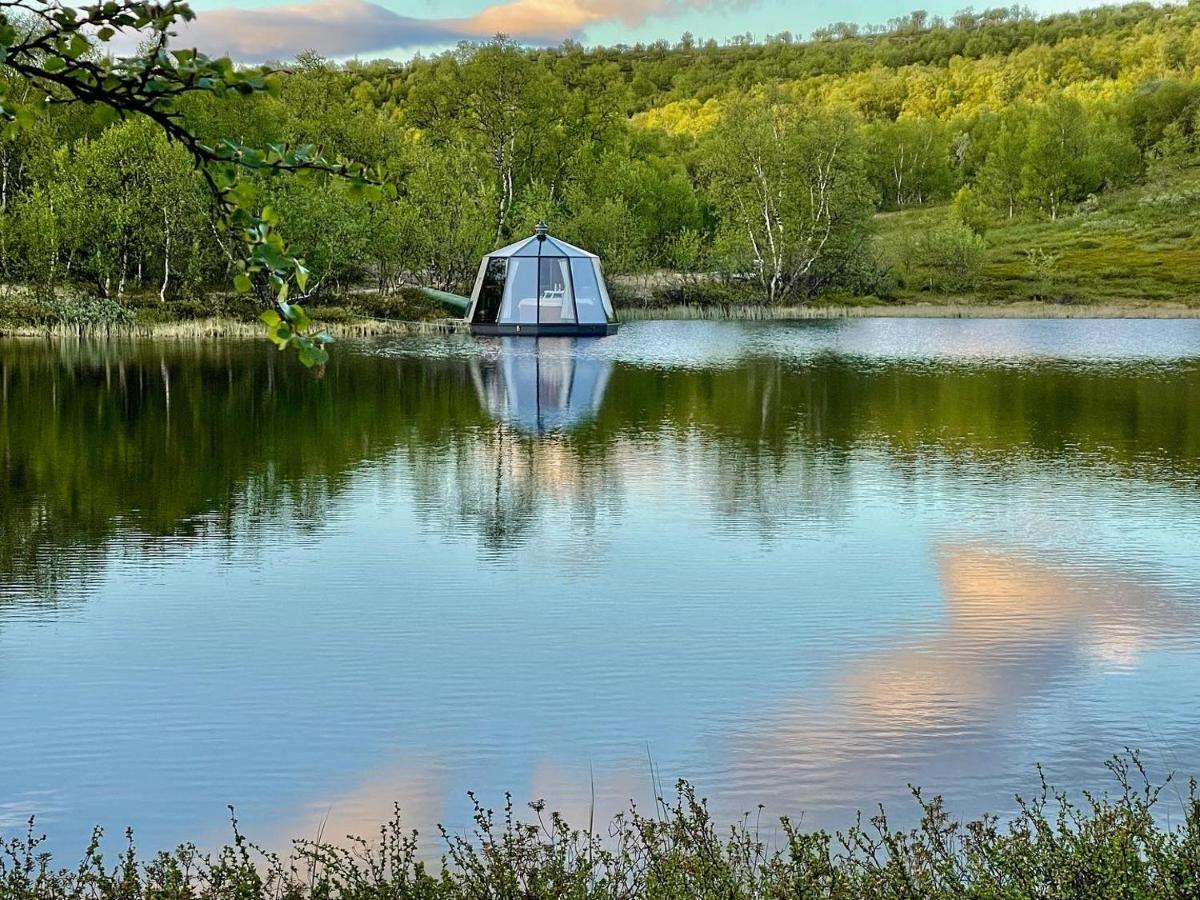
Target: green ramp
(455, 303)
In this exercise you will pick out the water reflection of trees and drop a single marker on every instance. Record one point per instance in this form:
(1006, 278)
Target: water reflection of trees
(180, 441)
(171, 442)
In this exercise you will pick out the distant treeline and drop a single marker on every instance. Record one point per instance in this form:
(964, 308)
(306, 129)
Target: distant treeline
(761, 164)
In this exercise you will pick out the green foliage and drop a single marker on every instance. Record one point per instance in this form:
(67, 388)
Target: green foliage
(405, 304)
(89, 311)
(129, 183)
(290, 327)
(1043, 269)
(52, 53)
(332, 314)
(82, 311)
(1134, 246)
(967, 208)
(1053, 847)
(909, 161)
(945, 258)
(686, 251)
(791, 186)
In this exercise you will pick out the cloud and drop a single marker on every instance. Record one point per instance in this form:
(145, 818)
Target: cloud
(357, 27)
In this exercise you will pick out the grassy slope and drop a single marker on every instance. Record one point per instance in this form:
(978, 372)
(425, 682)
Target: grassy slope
(1137, 246)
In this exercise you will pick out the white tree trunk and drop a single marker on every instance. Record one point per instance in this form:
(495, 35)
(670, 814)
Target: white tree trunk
(162, 291)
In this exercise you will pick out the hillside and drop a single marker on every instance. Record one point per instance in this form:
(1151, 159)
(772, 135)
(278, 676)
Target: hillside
(992, 156)
(1131, 247)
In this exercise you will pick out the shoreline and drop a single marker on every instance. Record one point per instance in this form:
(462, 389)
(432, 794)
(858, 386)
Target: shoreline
(1023, 310)
(234, 328)
(229, 328)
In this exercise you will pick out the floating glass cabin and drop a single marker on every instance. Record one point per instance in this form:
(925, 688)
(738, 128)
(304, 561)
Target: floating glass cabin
(541, 286)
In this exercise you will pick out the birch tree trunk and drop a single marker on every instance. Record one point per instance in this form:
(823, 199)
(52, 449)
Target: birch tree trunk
(162, 291)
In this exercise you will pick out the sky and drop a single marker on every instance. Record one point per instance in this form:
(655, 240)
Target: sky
(257, 30)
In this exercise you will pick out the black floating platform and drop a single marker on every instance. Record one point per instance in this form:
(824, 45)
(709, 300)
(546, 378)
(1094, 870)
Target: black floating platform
(532, 329)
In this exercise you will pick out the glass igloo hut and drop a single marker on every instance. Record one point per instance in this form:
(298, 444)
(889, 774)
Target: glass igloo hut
(541, 286)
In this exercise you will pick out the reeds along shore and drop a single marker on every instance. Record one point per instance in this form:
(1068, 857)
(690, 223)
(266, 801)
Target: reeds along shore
(229, 328)
(1118, 842)
(368, 327)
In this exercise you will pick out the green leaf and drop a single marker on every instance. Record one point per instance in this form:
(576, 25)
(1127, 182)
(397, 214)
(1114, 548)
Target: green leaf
(301, 321)
(54, 64)
(242, 284)
(281, 335)
(271, 318)
(77, 46)
(241, 194)
(106, 34)
(312, 355)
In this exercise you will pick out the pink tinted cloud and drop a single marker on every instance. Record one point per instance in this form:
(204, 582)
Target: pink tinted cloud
(353, 27)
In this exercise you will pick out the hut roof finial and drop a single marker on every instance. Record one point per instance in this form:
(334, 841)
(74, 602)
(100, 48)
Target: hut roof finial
(541, 230)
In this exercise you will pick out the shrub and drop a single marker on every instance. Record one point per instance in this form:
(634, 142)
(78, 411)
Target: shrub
(85, 312)
(967, 208)
(193, 309)
(407, 304)
(330, 314)
(1043, 269)
(1053, 847)
(946, 257)
(23, 308)
(691, 292)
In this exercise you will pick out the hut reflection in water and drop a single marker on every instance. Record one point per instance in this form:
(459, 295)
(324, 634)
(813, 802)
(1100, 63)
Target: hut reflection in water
(544, 385)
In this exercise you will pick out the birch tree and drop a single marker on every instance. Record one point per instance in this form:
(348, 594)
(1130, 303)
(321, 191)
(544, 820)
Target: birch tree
(790, 185)
(504, 102)
(1000, 175)
(909, 161)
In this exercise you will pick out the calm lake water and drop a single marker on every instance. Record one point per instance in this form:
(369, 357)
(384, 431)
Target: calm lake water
(801, 565)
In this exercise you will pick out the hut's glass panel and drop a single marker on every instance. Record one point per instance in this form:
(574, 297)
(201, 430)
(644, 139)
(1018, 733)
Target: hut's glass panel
(491, 291)
(608, 307)
(520, 292)
(555, 305)
(588, 299)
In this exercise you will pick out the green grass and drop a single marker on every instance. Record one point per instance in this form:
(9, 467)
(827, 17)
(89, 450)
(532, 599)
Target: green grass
(1134, 247)
(1106, 845)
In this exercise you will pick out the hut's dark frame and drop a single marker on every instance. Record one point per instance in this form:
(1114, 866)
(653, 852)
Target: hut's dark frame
(541, 286)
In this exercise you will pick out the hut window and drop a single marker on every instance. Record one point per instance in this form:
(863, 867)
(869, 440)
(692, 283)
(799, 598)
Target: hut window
(588, 301)
(521, 292)
(555, 304)
(491, 291)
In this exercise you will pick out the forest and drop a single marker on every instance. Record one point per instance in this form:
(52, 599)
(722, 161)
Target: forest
(993, 156)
